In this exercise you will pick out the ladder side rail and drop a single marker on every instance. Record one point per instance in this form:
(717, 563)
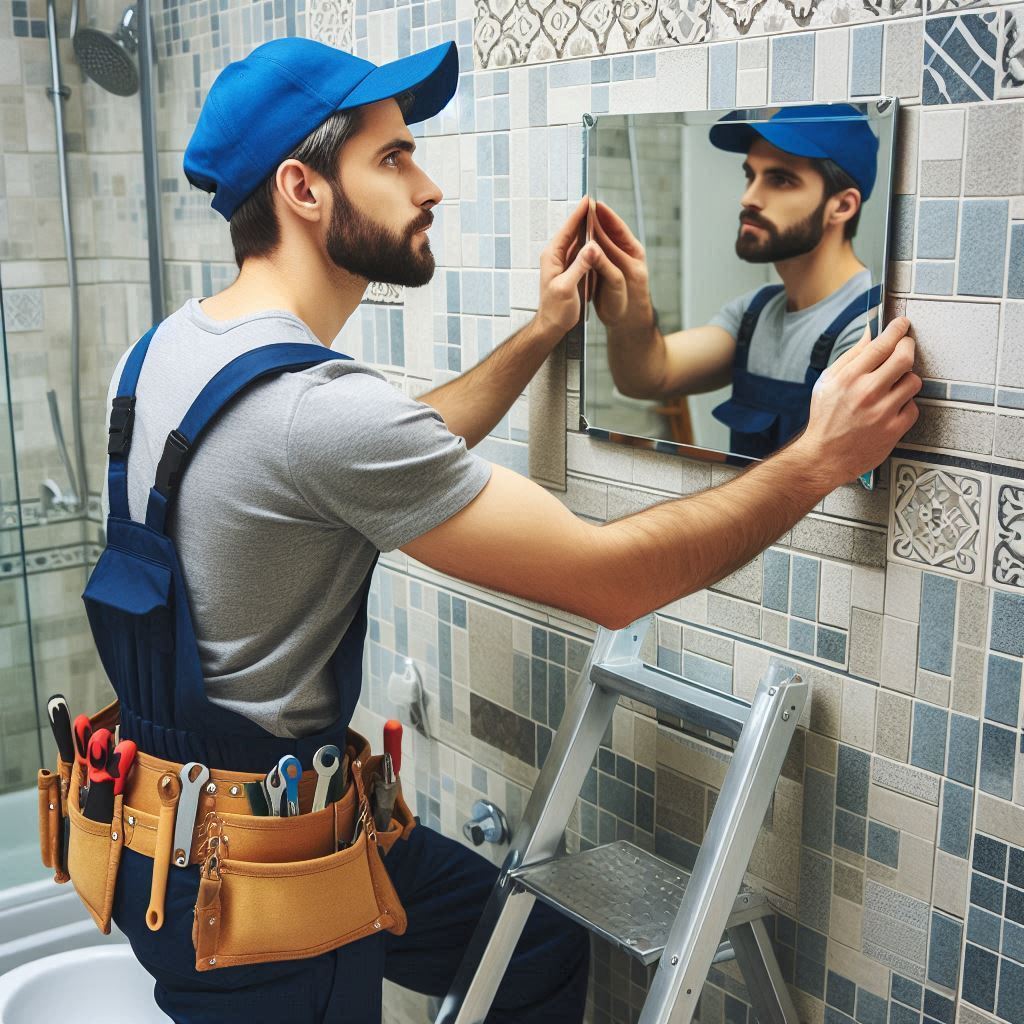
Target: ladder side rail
(725, 851)
(539, 834)
(699, 705)
(766, 987)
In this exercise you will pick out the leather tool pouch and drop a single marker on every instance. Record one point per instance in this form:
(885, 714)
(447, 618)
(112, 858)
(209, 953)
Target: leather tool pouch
(94, 854)
(52, 824)
(258, 912)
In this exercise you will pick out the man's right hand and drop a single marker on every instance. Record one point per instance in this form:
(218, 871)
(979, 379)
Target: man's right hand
(863, 404)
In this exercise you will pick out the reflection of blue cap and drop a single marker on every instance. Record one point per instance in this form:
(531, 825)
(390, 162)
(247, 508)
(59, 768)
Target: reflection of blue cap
(260, 108)
(824, 131)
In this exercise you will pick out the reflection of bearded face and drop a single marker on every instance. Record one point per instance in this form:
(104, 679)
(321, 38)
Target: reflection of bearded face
(373, 251)
(772, 245)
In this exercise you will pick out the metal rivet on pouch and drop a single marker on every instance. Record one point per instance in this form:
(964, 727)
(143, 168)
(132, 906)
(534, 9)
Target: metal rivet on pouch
(235, 791)
(785, 716)
(212, 921)
(211, 788)
(131, 819)
(113, 837)
(51, 807)
(213, 961)
(376, 924)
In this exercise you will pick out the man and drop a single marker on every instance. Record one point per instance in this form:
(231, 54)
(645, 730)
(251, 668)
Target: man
(809, 170)
(308, 475)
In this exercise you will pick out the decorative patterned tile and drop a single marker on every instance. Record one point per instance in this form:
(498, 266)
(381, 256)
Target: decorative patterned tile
(332, 22)
(1006, 555)
(960, 59)
(1010, 72)
(23, 309)
(938, 519)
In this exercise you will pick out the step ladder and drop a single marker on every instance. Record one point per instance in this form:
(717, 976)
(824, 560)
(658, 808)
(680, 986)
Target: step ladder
(651, 909)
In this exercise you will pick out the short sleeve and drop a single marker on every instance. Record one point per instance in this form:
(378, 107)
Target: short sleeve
(730, 316)
(847, 340)
(364, 455)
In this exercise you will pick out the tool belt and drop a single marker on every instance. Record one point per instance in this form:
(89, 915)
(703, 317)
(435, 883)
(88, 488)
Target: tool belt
(253, 870)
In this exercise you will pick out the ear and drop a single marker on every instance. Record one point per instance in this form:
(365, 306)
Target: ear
(301, 190)
(844, 205)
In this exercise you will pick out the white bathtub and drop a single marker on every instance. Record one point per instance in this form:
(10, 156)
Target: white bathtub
(76, 986)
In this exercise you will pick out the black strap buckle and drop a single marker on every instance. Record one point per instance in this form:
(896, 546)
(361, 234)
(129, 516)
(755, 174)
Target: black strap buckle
(122, 419)
(172, 462)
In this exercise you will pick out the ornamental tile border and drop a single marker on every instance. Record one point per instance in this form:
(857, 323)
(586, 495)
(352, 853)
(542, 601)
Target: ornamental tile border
(1006, 536)
(938, 518)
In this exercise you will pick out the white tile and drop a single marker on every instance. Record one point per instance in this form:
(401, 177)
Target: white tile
(834, 599)
(942, 134)
(940, 328)
(752, 87)
(831, 64)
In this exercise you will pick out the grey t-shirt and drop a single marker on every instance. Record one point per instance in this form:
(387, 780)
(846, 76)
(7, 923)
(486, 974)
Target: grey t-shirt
(782, 342)
(289, 496)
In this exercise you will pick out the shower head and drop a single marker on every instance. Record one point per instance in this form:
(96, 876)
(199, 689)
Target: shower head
(107, 59)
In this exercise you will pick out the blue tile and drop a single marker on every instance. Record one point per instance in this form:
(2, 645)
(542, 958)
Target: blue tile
(600, 70)
(982, 246)
(983, 928)
(1015, 871)
(928, 744)
(1011, 992)
(1008, 623)
(538, 97)
(980, 394)
(937, 1006)
(805, 587)
(883, 844)
(934, 279)
(871, 1009)
(998, 750)
(622, 68)
(1015, 280)
(776, 580)
(852, 779)
(722, 75)
(866, 61)
(801, 636)
(959, 58)
(955, 827)
(989, 856)
(1002, 693)
(810, 976)
(987, 893)
(906, 991)
(902, 230)
(979, 985)
(944, 951)
(815, 893)
(646, 65)
(1013, 940)
(831, 645)
(962, 753)
(938, 609)
(900, 1014)
(812, 944)
(708, 672)
(849, 831)
(792, 68)
(819, 800)
(670, 661)
(936, 229)
(1014, 905)
(840, 992)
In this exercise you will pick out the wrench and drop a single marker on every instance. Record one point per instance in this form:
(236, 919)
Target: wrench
(193, 777)
(274, 785)
(290, 770)
(326, 761)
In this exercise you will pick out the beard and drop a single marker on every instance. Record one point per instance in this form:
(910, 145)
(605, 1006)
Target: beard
(368, 249)
(797, 240)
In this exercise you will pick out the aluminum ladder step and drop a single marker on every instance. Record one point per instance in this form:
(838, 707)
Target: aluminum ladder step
(626, 895)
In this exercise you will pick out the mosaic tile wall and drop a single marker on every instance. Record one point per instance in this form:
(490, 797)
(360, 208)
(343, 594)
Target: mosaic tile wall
(894, 844)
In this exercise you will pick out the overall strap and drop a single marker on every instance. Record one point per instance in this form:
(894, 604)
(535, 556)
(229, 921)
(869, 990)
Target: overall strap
(822, 350)
(749, 322)
(119, 433)
(230, 381)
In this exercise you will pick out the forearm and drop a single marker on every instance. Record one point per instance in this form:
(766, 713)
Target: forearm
(637, 359)
(473, 403)
(656, 556)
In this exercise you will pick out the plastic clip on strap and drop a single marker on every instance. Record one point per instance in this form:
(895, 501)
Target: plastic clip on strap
(172, 463)
(122, 419)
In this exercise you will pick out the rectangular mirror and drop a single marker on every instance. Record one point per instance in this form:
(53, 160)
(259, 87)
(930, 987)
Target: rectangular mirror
(765, 232)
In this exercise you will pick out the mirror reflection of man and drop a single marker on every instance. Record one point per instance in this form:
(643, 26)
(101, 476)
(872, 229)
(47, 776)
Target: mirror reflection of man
(809, 170)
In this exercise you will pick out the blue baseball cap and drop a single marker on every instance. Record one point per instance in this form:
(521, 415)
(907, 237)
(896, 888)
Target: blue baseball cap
(260, 108)
(832, 131)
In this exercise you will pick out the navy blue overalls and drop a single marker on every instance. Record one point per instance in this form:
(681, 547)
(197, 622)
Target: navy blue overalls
(764, 413)
(139, 613)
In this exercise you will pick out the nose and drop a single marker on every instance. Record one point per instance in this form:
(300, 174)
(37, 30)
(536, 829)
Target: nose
(429, 193)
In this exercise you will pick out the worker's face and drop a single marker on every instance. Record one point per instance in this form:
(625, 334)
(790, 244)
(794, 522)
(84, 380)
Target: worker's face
(382, 202)
(783, 209)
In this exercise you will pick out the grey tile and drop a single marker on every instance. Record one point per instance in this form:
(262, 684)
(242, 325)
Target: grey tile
(734, 616)
(892, 726)
(962, 756)
(1008, 623)
(982, 247)
(1015, 277)
(831, 645)
(938, 609)
(722, 75)
(903, 55)
(972, 614)
(944, 950)
(804, 602)
(902, 228)
(866, 60)
(883, 844)
(850, 831)
(1009, 431)
(983, 928)
(904, 779)
(955, 824)
(896, 905)
(928, 740)
(899, 654)
(815, 889)
(938, 324)
(776, 580)
(852, 779)
(998, 748)
(958, 428)
(1002, 692)
(936, 229)
(941, 177)
(792, 72)
(865, 644)
(818, 810)
(934, 278)
(995, 150)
